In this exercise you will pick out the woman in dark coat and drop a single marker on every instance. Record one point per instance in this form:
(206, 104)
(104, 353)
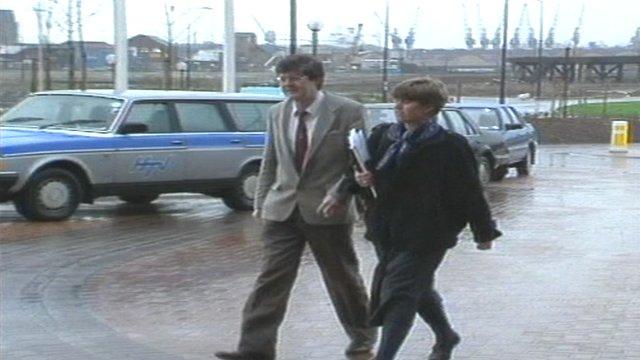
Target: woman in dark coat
(428, 190)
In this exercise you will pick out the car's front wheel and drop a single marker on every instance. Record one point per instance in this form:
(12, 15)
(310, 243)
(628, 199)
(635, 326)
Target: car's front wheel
(51, 195)
(240, 197)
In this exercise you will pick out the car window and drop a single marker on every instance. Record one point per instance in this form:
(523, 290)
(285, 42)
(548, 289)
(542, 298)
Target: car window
(250, 116)
(457, 123)
(506, 116)
(378, 116)
(485, 118)
(155, 115)
(514, 115)
(68, 111)
(200, 117)
(442, 121)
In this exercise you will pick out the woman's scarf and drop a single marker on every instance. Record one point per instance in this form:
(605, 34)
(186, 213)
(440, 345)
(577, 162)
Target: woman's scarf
(405, 141)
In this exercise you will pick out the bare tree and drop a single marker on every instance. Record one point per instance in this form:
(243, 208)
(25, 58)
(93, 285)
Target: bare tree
(168, 59)
(83, 51)
(72, 52)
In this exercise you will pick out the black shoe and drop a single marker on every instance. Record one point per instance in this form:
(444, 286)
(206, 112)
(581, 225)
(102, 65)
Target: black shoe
(237, 355)
(442, 350)
(359, 347)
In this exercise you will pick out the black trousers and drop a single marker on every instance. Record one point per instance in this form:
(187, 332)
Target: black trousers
(404, 284)
(284, 243)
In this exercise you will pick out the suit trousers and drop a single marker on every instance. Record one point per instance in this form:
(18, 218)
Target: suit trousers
(284, 243)
(406, 289)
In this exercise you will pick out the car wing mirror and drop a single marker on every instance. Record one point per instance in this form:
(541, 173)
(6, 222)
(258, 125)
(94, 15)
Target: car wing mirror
(133, 128)
(513, 126)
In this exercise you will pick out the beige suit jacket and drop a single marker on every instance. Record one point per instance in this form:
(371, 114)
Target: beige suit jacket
(281, 188)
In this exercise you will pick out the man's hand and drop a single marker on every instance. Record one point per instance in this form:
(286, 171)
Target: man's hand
(484, 245)
(330, 206)
(364, 178)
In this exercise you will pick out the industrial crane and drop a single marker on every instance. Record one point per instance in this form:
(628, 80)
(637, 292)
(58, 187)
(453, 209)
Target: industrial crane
(496, 42)
(515, 41)
(484, 40)
(576, 33)
(468, 37)
(411, 36)
(550, 41)
(269, 36)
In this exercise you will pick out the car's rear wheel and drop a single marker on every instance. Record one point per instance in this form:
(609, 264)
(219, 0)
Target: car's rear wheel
(524, 166)
(484, 170)
(141, 199)
(51, 195)
(499, 173)
(240, 197)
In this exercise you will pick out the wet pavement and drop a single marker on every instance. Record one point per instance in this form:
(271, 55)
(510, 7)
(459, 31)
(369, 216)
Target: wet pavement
(168, 281)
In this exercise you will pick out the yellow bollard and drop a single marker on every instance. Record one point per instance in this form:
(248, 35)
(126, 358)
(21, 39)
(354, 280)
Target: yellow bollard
(619, 136)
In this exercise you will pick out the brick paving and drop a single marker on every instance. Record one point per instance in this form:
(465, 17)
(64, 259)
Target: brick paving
(168, 281)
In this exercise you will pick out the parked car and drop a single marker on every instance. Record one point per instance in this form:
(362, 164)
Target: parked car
(62, 148)
(519, 136)
(489, 149)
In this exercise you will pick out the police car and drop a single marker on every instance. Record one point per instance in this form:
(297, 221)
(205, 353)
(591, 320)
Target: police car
(62, 148)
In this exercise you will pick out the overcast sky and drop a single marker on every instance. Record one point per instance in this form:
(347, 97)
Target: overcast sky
(438, 23)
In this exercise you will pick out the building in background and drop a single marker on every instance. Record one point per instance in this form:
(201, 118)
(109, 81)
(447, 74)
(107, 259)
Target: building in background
(8, 28)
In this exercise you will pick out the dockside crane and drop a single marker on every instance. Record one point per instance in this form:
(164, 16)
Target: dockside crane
(635, 40)
(515, 40)
(496, 42)
(532, 42)
(576, 33)
(550, 41)
(468, 37)
(484, 40)
(411, 35)
(269, 36)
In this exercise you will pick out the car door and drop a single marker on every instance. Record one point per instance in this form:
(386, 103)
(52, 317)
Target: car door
(219, 145)
(459, 124)
(154, 158)
(515, 135)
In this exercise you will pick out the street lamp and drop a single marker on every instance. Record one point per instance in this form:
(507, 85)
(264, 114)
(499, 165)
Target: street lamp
(314, 26)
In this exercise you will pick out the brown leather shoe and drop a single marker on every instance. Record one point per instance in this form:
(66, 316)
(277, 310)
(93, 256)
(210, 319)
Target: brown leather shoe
(237, 355)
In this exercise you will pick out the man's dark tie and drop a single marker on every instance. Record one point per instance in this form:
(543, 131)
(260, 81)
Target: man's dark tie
(302, 141)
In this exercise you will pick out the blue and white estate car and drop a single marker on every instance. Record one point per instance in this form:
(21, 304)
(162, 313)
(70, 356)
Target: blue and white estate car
(62, 148)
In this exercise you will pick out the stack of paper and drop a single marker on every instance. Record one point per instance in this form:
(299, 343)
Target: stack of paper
(358, 146)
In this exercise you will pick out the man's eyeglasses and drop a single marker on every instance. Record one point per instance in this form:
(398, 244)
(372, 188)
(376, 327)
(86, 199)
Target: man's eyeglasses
(285, 78)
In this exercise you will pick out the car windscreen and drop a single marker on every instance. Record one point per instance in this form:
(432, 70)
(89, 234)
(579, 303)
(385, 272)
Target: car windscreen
(78, 112)
(376, 116)
(485, 118)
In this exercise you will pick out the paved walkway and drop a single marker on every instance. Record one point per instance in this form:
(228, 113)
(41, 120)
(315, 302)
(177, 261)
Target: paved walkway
(562, 283)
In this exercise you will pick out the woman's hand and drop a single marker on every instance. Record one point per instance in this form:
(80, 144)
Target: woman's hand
(364, 178)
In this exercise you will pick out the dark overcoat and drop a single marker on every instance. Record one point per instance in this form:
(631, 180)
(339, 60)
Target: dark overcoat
(430, 196)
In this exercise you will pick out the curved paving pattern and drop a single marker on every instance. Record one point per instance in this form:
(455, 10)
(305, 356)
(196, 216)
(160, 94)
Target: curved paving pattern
(168, 281)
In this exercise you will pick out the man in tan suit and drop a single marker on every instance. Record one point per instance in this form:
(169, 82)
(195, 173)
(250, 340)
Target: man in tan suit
(300, 202)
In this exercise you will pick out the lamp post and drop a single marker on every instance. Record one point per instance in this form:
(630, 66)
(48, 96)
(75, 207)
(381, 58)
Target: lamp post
(314, 26)
(293, 28)
(540, 43)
